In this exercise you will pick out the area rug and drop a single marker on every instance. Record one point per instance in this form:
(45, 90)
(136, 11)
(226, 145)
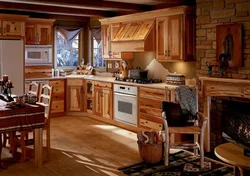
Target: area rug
(182, 163)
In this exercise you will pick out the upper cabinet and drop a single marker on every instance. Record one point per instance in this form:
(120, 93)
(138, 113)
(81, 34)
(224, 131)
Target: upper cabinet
(12, 26)
(175, 38)
(169, 32)
(39, 31)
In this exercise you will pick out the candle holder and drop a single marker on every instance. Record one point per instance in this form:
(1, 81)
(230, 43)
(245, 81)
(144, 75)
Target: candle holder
(6, 86)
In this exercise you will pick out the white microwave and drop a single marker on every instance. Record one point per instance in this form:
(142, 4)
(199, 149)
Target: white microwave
(38, 54)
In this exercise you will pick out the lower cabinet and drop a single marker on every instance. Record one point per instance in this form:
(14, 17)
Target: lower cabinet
(58, 97)
(150, 108)
(75, 95)
(88, 97)
(103, 99)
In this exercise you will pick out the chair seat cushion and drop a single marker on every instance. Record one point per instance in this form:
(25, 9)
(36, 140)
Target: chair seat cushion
(175, 115)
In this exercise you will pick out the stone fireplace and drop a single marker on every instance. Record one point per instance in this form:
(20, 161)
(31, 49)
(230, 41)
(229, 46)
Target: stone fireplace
(225, 89)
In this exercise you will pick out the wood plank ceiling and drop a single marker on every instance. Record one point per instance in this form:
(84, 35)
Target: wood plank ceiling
(83, 10)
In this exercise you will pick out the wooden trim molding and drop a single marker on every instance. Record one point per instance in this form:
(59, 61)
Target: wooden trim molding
(220, 87)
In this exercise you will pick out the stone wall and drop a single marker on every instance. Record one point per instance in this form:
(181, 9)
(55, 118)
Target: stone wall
(211, 13)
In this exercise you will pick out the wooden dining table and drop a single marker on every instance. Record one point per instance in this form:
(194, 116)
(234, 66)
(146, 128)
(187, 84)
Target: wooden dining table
(27, 117)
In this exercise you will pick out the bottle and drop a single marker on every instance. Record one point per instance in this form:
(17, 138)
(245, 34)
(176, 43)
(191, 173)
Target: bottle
(57, 73)
(53, 72)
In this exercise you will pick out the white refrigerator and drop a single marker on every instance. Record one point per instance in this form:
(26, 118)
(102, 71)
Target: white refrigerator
(12, 63)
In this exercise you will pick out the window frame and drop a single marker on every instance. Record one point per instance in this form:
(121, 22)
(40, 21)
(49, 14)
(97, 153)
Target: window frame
(65, 68)
(100, 69)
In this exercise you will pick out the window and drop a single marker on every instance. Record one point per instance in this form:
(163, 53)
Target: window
(97, 54)
(66, 55)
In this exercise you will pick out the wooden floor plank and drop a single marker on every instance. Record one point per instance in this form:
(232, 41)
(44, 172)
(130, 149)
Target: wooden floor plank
(81, 146)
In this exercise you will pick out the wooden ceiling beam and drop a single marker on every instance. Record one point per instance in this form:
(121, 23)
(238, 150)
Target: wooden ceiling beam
(89, 4)
(51, 9)
(47, 16)
(169, 3)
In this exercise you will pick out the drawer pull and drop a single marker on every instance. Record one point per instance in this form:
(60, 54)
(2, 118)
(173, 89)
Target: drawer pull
(56, 106)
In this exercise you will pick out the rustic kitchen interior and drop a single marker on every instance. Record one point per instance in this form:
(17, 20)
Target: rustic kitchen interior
(111, 64)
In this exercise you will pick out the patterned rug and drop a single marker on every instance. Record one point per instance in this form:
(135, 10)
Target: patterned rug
(182, 163)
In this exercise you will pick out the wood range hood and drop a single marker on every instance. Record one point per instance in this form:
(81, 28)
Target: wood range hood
(135, 37)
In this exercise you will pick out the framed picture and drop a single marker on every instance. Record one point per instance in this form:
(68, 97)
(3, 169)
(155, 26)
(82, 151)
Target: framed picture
(229, 44)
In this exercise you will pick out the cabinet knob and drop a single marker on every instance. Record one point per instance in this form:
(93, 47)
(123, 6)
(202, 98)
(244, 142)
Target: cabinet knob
(166, 53)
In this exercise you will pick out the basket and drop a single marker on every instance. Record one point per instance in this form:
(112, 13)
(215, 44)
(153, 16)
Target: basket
(150, 153)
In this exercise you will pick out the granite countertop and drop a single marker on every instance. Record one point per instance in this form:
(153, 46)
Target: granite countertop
(107, 79)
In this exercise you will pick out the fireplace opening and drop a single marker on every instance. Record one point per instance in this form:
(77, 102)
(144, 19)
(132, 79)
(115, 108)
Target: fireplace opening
(231, 116)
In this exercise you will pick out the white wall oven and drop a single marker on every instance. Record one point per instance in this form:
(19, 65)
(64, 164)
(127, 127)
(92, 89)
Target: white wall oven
(38, 54)
(125, 104)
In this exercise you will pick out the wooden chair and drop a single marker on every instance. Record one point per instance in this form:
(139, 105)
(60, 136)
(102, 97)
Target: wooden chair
(23, 140)
(175, 122)
(34, 89)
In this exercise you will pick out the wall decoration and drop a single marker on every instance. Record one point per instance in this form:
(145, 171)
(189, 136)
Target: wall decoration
(229, 45)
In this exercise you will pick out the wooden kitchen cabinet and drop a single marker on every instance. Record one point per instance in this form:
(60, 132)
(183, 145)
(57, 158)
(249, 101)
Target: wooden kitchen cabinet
(109, 32)
(12, 26)
(175, 38)
(39, 31)
(150, 108)
(58, 97)
(106, 41)
(75, 95)
(103, 99)
(89, 95)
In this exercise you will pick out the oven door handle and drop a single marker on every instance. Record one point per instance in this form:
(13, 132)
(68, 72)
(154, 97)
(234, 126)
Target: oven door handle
(125, 95)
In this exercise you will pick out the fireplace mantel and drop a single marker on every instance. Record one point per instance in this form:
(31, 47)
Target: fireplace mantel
(220, 87)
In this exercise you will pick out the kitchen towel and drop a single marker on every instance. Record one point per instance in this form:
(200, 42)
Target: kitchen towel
(187, 99)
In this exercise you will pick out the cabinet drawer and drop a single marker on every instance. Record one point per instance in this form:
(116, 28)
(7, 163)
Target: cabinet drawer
(149, 106)
(153, 93)
(56, 83)
(58, 90)
(74, 82)
(150, 122)
(57, 106)
(58, 96)
(103, 84)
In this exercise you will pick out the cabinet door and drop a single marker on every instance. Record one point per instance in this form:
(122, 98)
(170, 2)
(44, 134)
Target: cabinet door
(1, 28)
(175, 37)
(106, 53)
(12, 28)
(189, 40)
(98, 101)
(30, 34)
(44, 34)
(107, 103)
(75, 98)
(161, 39)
